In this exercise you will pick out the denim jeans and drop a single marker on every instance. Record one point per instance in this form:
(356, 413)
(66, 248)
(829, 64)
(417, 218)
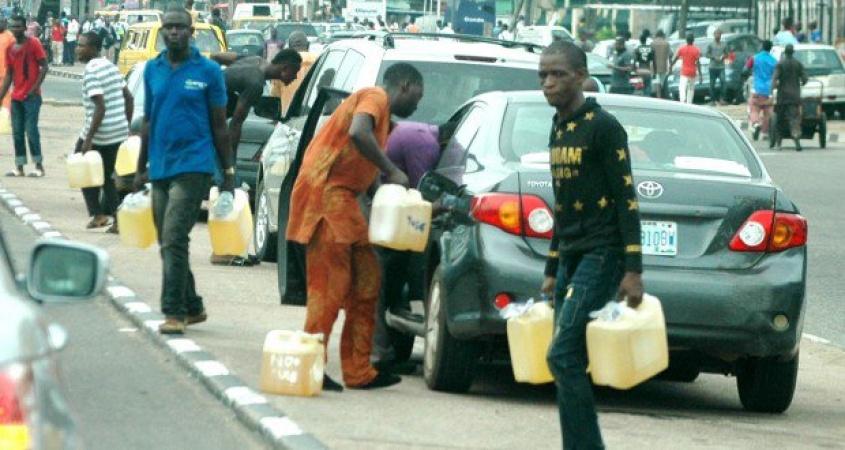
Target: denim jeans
(714, 75)
(585, 283)
(107, 205)
(176, 205)
(25, 121)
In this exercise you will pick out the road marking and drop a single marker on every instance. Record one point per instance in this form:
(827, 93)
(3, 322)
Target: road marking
(280, 427)
(814, 338)
(153, 324)
(127, 330)
(52, 234)
(211, 368)
(40, 226)
(14, 203)
(31, 217)
(182, 345)
(243, 396)
(21, 210)
(120, 291)
(137, 307)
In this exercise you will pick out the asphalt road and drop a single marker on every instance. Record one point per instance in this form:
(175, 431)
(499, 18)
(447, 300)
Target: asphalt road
(62, 89)
(126, 393)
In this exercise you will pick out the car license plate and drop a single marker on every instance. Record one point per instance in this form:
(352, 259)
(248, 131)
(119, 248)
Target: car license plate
(659, 238)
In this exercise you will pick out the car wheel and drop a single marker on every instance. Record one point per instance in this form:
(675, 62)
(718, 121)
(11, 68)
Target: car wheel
(448, 363)
(264, 241)
(403, 345)
(823, 132)
(767, 384)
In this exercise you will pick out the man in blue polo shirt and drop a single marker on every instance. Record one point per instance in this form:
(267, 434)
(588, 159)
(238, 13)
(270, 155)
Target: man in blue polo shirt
(184, 131)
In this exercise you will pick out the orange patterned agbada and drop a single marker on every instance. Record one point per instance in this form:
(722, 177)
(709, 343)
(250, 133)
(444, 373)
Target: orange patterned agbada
(342, 269)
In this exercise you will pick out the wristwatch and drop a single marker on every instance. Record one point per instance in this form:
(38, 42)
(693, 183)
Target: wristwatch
(230, 171)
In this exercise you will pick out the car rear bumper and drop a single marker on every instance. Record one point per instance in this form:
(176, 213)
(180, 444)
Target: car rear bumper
(725, 313)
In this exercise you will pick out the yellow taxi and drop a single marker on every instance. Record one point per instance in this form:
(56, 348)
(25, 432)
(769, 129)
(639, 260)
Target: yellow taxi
(145, 41)
(253, 23)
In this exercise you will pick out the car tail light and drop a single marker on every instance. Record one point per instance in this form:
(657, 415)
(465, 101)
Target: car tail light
(637, 83)
(502, 300)
(770, 231)
(522, 215)
(16, 400)
(731, 58)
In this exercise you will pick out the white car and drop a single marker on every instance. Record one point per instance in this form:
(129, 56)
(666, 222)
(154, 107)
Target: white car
(823, 63)
(542, 34)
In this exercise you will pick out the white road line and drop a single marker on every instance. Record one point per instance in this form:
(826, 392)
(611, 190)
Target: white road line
(280, 427)
(30, 217)
(120, 291)
(182, 345)
(52, 234)
(14, 203)
(41, 225)
(127, 330)
(211, 368)
(21, 210)
(137, 307)
(814, 338)
(243, 396)
(153, 324)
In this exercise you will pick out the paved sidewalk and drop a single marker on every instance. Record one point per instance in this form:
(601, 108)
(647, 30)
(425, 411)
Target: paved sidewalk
(497, 413)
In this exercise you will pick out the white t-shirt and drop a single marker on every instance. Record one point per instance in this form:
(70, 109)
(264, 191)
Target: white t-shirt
(102, 78)
(72, 31)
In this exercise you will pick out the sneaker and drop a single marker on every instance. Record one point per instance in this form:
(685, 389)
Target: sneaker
(172, 325)
(331, 385)
(382, 380)
(15, 173)
(196, 318)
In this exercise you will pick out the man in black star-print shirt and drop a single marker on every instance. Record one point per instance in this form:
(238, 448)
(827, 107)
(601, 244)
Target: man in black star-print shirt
(595, 255)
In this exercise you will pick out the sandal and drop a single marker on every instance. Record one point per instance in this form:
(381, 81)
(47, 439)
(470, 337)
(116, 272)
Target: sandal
(14, 173)
(98, 222)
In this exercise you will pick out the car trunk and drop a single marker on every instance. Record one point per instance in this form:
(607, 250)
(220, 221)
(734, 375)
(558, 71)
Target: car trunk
(704, 210)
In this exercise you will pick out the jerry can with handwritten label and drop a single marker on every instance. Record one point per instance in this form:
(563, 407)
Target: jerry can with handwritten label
(135, 220)
(230, 229)
(85, 170)
(630, 348)
(293, 363)
(399, 219)
(127, 156)
(529, 337)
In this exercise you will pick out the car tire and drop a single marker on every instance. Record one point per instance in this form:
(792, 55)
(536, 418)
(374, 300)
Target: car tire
(403, 345)
(448, 363)
(767, 384)
(823, 132)
(684, 373)
(263, 240)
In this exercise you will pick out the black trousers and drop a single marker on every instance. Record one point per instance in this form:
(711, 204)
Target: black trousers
(102, 201)
(401, 270)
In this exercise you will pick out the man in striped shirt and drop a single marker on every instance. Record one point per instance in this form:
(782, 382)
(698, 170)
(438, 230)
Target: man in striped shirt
(108, 110)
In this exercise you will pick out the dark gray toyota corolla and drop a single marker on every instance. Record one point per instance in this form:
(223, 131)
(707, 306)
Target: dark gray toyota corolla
(724, 247)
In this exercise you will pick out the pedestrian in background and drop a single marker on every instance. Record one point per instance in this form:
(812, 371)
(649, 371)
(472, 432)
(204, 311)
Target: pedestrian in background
(33, 29)
(184, 126)
(273, 45)
(27, 67)
(217, 21)
(71, 38)
(622, 64)
(108, 35)
(788, 78)
(57, 42)
(595, 253)
(341, 162)
(108, 110)
(662, 54)
(690, 57)
(786, 35)
(299, 42)
(762, 66)
(717, 54)
(815, 33)
(645, 61)
(506, 34)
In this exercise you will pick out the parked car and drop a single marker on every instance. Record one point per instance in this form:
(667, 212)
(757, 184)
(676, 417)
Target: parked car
(739, 47)
(823, 63)
(132, 16)
(724, 248)
(259, 23)
(708, 28)
(454, 69)
(34, 411)
(284, 29)
(144, 41)
(246, 42)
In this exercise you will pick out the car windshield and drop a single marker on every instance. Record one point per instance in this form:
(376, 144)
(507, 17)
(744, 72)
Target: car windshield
(204, 39)
(241, 39)
(820, 62)
(658, 140)
(284, 30)
(447, 85)
(597, 64)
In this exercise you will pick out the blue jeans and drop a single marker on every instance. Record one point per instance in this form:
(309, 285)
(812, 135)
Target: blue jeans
(714, 75)
(176, 206)
(25, 121)
(585, 283)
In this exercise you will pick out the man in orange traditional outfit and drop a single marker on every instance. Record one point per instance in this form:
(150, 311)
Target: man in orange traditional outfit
(342, 271)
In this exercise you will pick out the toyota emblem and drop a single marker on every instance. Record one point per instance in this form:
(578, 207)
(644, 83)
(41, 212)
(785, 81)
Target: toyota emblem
(650, 189)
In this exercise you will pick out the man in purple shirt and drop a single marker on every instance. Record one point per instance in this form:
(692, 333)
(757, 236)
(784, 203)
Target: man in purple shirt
(414, 148)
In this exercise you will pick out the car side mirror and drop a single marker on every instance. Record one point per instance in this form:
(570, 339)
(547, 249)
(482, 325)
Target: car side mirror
(62, 271)
(269, 108)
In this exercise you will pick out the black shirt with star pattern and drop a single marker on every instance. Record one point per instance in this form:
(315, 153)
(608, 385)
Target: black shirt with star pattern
(595, 202)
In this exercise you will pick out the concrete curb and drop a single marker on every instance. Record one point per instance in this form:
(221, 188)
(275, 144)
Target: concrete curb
(251, 408)
(64, 73)
(744, 126)
(60, 103)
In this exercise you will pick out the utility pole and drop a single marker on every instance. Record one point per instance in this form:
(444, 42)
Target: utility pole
(682, 19)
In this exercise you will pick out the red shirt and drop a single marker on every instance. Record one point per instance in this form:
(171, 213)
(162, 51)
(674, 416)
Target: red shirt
(23, 62)
(689, 55)
(58, 33)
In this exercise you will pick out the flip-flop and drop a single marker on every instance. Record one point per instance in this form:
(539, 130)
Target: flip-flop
(14, 173)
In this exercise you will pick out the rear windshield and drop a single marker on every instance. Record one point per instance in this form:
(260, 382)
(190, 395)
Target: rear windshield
(448, 85)
(658, 140)
(820, 62)
(204, 39)
(241, 39)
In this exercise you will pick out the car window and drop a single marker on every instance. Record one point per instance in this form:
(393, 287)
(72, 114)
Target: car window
(348, 71)
(323, 77)
(204, 39)
(259, 25)
(448, 84)
(658, 140)
(240, 39)
(820, 62)
(453, 160)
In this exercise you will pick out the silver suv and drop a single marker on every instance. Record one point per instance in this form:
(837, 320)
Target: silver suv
(455, 68)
